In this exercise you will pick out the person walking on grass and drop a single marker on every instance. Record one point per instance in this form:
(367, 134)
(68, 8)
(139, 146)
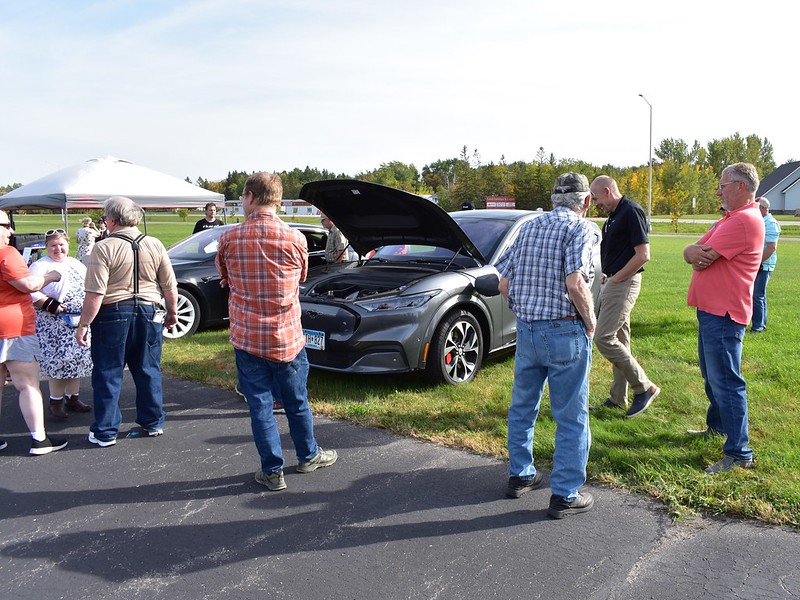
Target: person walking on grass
(262, 262)
(769, 257)
(545, 276)
(725, 262)
(624, 250)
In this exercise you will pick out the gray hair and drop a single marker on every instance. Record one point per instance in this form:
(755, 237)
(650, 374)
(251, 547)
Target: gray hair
(572, 200)
(763, 201)
(744, 172)
(123, 210)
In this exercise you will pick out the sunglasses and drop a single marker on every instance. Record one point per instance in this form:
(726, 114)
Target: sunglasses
(6, 225)
(50, 232)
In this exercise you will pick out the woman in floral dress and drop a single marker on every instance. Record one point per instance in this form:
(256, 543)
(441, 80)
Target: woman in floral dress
(58, 306)
(86, 236)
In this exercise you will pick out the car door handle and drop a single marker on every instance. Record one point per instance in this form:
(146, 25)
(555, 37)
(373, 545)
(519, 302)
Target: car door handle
(210, 278)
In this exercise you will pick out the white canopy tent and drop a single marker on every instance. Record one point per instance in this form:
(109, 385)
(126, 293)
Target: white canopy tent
(88, 184)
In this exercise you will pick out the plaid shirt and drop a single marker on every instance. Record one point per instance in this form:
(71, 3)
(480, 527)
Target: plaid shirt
(547, 250)
(264, 260)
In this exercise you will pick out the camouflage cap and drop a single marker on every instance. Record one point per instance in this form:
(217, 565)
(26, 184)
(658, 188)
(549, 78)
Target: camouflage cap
(571, 182)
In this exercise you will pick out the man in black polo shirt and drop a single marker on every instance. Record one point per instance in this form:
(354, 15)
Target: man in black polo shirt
(624, 250)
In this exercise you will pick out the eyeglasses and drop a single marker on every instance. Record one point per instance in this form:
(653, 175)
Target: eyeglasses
(6, 225)
(50, 232)
(241, 198)
(721, 186)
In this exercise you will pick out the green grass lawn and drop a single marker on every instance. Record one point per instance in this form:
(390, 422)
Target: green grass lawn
(650, 454)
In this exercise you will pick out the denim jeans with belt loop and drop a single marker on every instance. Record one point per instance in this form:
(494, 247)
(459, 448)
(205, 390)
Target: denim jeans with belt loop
(719, 348)
(125, 333)
(557, 352)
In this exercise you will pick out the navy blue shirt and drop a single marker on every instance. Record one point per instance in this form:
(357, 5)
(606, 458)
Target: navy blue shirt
(624, 229)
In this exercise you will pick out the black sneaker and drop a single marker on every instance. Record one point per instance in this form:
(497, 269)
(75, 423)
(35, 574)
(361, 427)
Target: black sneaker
(518, 486)
(560, 508)
(642, 401)
(47, 446)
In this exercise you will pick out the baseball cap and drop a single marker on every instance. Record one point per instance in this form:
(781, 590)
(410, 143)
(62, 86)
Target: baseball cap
(571, 182)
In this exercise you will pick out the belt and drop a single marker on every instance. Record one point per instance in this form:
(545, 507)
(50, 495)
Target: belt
(131, 302)
(569, 318)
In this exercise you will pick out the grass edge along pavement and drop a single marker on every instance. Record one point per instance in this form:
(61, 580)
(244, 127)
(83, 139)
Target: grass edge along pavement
(649, 454)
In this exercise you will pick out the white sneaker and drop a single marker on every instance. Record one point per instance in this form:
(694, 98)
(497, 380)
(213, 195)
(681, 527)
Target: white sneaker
(101, 443)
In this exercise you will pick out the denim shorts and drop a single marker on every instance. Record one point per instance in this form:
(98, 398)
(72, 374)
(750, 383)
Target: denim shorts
(23, 349)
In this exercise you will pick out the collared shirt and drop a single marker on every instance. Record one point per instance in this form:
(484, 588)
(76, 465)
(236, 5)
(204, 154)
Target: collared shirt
(264, 260)
(110, 269)
(726, 287)
(772, 231)
(624, 229)
(547, 250)
(335, 246)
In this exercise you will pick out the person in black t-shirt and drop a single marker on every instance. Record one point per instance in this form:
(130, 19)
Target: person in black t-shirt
(210, 220)
(624, 250)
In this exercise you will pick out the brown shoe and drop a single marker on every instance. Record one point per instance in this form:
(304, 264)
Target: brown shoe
(75, 405)
(57, 409)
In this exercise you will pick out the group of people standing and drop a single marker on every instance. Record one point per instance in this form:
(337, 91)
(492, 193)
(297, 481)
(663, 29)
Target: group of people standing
(545, 277)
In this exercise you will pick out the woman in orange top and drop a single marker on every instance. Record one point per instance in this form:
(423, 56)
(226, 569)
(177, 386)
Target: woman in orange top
(19, 346)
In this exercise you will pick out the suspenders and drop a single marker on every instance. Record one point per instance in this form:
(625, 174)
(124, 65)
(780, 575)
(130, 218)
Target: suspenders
(135, 246)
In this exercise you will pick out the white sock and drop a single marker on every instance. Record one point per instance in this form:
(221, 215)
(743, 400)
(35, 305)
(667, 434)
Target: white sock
(56, 399)
(39, 436)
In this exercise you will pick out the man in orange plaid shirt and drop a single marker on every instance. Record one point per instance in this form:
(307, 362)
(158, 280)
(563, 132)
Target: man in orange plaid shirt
(263, 261)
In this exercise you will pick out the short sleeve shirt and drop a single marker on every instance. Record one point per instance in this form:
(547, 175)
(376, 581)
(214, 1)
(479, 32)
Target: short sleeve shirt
(547, 250)
(264, 260)
(110, 269)
(726, 287)
(624, 229)
(772, 231)
(17, 317)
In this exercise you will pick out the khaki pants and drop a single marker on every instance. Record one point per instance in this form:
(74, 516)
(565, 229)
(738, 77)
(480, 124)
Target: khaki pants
(613, 337)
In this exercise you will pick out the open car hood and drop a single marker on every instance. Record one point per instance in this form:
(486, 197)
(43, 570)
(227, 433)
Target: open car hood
(372, 215)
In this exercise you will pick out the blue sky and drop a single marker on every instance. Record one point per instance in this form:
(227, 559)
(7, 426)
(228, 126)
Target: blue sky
(198, 88)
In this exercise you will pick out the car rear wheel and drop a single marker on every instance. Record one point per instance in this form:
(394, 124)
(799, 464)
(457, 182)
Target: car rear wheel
(456, 349)
(188, 316)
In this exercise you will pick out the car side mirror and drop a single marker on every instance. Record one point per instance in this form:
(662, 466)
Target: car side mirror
(487, 285)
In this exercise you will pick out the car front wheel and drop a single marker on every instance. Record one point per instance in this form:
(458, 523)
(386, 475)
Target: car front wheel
(456, 350)
(188, 316)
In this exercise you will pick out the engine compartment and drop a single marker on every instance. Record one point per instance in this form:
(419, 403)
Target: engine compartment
(368, 283)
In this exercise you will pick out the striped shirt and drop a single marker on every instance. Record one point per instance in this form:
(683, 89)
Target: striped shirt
(547, 250)
(264, 260)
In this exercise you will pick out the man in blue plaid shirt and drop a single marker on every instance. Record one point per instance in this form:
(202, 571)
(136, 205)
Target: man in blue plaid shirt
(545, 276)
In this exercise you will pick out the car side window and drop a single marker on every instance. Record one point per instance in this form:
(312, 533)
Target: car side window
(315, 240)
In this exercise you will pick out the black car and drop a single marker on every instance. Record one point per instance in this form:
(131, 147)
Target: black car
(201, 300)
(425, 300)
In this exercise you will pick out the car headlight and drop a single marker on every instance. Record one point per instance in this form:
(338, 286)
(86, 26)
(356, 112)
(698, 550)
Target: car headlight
(397, 302)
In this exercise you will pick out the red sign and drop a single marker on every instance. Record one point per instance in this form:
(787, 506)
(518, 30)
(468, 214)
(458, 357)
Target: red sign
(501, 201)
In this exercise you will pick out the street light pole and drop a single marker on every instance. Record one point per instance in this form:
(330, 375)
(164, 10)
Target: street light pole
(650, 165)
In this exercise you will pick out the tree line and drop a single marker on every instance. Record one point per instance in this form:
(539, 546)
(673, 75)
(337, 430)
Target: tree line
(680, 174)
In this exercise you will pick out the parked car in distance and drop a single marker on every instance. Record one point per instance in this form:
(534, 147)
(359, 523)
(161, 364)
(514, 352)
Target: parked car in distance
(201, 300)
(426, 300)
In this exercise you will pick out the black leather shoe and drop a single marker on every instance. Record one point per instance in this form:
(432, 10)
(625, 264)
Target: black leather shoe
(560, 508)
(518, 486)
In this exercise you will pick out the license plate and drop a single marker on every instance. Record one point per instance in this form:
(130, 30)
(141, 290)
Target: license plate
(315, 340)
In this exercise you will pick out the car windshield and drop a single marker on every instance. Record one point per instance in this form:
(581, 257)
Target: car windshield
(485, 233)
(197, 247)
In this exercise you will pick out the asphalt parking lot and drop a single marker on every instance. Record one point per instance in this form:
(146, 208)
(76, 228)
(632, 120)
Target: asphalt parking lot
(180, 517)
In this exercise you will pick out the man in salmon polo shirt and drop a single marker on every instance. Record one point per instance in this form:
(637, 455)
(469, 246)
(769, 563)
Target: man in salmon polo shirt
(725, 263)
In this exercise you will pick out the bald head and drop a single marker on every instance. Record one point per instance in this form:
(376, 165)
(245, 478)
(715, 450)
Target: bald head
(605, 193)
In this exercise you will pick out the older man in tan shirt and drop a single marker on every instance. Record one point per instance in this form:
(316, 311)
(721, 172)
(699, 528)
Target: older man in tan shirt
(127, 276)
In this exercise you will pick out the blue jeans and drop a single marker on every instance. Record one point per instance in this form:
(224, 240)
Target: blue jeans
(760, 300)
(124, 333)
(557, 352)
(719, 347)
(259, 380)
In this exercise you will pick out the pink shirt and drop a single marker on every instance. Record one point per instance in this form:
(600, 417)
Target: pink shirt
(726, 287)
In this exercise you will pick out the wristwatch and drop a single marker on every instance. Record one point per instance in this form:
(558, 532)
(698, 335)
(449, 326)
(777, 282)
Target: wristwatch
(82, 325)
